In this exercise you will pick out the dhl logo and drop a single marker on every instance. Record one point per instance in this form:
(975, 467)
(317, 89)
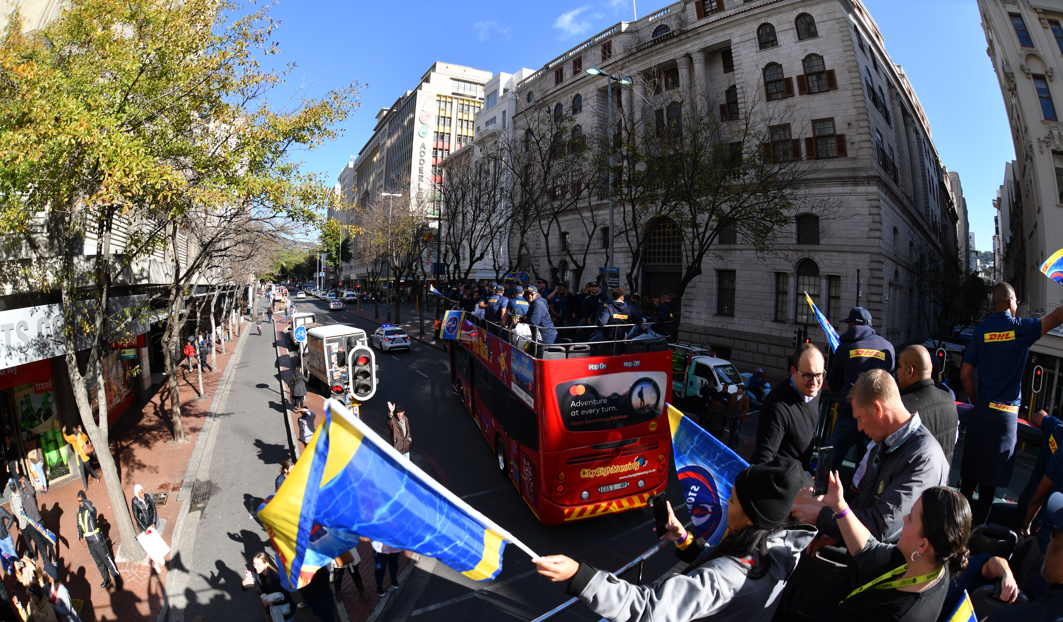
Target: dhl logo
(1005, 336)
(607, 507)
(867, 354)
(1052, 443)
(1008, 408)
(617, 316)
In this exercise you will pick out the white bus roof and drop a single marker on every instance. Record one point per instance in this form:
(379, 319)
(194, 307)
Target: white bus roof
(336, 330)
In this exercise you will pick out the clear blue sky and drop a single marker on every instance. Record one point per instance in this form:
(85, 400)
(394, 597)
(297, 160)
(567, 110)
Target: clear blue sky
(388, 46)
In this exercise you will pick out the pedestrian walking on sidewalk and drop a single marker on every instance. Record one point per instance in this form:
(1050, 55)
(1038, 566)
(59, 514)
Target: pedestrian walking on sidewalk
(204, 353)
(286, 468)
(20, 516)
(145, 516)
(58, 595)
(350, 561)
(384, 555)
(400, 430)
(44, 542)
(298, 387)
(82, 448)
(90, 532)
(189, 352)
(36, 460)
(306, 425)
(276, 601)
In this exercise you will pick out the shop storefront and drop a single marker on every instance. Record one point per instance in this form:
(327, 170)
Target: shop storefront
(30, 415)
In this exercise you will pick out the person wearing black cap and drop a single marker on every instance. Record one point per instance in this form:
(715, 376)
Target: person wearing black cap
(860, 350)
(29, 506)
(496, 307)
(518, 304)
(539, 316)
(90, 532)
(743, 576)
(400, 429)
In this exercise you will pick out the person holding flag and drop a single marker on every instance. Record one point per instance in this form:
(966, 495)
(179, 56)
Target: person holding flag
(743, 576)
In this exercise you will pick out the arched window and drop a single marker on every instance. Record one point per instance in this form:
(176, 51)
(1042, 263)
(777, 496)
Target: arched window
(531, 96)
(774, 84)
(664, 244)
(807, 229)
(815, 73)
(808, 280)
(660, 30)
(559, 113)
(577, 104)
(766, 36)
(806, 27)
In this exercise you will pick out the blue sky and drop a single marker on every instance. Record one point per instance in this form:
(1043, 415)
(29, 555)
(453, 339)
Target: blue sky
(388, 47)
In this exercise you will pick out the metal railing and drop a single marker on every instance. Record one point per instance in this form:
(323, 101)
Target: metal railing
(539, 347)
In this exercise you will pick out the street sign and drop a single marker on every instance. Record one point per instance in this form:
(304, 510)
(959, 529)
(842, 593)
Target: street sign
(300, 334)
(612, 277)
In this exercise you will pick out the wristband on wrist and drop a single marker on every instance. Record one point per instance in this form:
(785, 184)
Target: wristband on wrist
(844, 512)
(686, 541)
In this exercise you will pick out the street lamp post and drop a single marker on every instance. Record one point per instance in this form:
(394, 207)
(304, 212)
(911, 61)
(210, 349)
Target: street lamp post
(594, 71)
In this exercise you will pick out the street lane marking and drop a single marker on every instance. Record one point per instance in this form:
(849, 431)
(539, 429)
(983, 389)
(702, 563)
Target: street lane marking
(421, 372)
(484, 492)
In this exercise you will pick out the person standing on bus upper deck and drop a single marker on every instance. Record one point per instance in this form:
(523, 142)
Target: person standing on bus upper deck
(539, 315)
(593, 302)
(998, 349)
(611, 314)
(496, 307)
(518, 304)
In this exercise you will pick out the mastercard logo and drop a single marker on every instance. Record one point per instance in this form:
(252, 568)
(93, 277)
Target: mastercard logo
(576, 390)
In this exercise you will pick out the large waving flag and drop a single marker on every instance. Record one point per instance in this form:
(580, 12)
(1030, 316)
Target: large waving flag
(41, 529)
(707, 470)
(432, 289)
(1053, 266)
(350, 483)
(832, 335)
(964, 611)
(451, 325)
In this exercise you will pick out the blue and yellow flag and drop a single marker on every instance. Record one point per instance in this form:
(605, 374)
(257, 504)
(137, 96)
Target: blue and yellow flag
(832, 335)
(964, 611)
(350, 483)
(432, 289)
(1053, 266)
(451, 325)
(706, 469)
(41, 529)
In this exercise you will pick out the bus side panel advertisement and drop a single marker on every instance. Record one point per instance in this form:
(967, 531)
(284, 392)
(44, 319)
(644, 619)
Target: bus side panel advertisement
(522, 380)
(611, 401)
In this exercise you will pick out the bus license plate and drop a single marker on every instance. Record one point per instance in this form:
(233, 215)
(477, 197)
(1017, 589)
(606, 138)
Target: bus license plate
(612, 487)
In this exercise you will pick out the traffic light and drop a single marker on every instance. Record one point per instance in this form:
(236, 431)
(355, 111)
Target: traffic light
(361, 369)
(940, 355)
(1038, 379)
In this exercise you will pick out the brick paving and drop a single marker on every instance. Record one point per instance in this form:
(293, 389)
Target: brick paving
(141, 443)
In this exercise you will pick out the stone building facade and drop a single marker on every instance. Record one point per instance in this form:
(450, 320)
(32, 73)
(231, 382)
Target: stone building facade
(892, 197)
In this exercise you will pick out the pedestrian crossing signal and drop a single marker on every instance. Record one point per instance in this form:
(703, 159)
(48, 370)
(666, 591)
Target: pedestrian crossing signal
(1038, 379)
(361, 369)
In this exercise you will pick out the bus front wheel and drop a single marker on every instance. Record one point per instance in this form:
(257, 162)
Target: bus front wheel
(500, 452)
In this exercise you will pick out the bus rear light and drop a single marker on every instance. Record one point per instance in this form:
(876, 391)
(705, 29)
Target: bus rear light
(561, 476)
(560, 488)
(584, 495)
(660, 469)
(660, 457)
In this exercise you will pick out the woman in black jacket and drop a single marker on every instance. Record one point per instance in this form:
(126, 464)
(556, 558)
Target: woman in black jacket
(143, 509)
(267, 582)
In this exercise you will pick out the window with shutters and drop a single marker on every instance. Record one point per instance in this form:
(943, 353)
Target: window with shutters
(559, 75)
(559, 113)
(1057, 32)
(807, 229)
(782, 295)
(1057, 159)
(808, 281)
(725, 293)
(729, 110)
(766, 36)
(607, 50)
(577, 65)
(660, 31)
(710, 7)
(577, 104)
(781, 147)
(774, 82)
(815, 74)
(824, 143)
(728, 61)
(806, 27)
(1020, 31)
(1045, 96)
(729, 234)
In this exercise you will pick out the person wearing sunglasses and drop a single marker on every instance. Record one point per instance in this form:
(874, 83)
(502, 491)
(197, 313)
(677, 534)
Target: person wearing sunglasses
(788, 417)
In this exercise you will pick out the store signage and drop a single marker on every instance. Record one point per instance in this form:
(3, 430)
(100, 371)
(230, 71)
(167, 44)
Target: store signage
(128, 354)
(132, 342)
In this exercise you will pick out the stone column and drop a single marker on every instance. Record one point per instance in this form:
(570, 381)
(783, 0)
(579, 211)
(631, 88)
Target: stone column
(684, 74)
(700, 81)
(639, 105)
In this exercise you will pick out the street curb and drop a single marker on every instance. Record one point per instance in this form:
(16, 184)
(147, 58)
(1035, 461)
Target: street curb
(193, 468)
(384, 604)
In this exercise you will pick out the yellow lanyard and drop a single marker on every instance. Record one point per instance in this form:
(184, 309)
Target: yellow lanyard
(889, 585)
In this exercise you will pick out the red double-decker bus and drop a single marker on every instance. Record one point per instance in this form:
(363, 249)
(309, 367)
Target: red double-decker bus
(578, 435)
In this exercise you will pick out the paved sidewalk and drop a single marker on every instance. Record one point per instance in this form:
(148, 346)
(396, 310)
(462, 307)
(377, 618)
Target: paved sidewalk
(141, 443)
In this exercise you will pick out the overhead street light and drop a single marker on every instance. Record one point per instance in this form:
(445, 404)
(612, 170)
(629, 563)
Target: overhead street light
(594, 71)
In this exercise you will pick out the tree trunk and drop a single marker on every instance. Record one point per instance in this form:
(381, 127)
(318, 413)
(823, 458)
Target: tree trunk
(172, 348)
(199, 361)
(213, 332)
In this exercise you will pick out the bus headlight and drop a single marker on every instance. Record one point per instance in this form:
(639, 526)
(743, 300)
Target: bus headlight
(584, 495)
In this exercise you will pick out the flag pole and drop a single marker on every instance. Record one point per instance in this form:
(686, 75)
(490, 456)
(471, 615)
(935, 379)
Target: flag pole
(368, 434)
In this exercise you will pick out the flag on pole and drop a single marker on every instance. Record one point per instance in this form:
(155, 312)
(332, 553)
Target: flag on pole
(964, 611)
(706, 469)
(832, 335)
(451, 325)
(348, 483)
(432, 289)
(1053, 266)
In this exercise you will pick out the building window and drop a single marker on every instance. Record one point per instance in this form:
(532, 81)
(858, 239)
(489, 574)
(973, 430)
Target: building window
(892, 164)
(1043, 94)
(675, 119)
(782, 295)
(725, 293)
(766, 36)
(559, 75)
(660, 31)
(815, 74)
(834, 296)
(1057, 32)
(733, 155)
(492, 99)
(559, 113)
(806, 27)
(824, 143)
(607, 50)
(807, 229)
(566, 240)
(531, 96)
(605, 237)
(1020, 31)
(671, 79)
(578, 141)
(774, 84)
(577, 65)
(504, 118)
(780, 147)
(880, 152)
(807, 283)
(577, 104)
(710, 7)
(728, 61)
(729, 233)
(729, 110)
(1057, 158)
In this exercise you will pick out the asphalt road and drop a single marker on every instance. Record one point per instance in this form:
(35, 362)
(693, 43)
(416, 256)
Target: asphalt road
(447, 443)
